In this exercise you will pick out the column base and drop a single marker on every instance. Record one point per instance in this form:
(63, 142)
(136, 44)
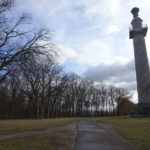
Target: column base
(143, 109)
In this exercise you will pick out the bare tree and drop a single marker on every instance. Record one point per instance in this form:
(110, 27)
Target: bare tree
(16, 42)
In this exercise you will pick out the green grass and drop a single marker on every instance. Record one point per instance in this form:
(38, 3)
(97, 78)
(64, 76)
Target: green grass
(55, 141)
(14, 126)
(134, 130)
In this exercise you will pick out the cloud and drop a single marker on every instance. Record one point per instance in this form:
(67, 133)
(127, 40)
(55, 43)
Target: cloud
(97, 7)
(44, 8)
(122, 74)
(112, 29)
(107, 71)
(65, 54)
(94, 52)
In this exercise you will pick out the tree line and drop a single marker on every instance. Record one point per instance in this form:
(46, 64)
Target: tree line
(32, 85)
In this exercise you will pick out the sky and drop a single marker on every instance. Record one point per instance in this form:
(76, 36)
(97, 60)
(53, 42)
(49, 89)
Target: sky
(92, 35)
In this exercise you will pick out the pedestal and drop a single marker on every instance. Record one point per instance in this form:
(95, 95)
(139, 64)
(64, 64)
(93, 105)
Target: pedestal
(143, 109)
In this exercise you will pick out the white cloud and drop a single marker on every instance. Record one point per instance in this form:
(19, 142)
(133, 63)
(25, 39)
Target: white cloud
(100, 7)
(94, 52)
(65, 54)
(112, 29)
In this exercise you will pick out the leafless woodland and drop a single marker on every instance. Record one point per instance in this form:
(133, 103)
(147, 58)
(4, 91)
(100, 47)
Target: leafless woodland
(32, 85)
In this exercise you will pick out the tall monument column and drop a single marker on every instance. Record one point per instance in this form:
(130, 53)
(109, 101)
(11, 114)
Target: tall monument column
(138, 32)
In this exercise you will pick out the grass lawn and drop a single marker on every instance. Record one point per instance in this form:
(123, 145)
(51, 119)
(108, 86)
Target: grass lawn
(134, 130)
(14, 126)
(53, 141)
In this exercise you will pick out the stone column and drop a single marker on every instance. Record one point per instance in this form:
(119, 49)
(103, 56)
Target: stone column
(138, 32)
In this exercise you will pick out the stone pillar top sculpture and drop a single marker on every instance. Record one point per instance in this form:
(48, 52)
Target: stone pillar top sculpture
(135, 12)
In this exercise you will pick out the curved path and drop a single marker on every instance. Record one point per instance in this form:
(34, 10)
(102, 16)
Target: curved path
(93, 137)
(40, 132)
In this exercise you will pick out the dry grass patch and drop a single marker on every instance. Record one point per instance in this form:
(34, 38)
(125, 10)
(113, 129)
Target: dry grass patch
(135, 130)
(59, 140)
(14, 126)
